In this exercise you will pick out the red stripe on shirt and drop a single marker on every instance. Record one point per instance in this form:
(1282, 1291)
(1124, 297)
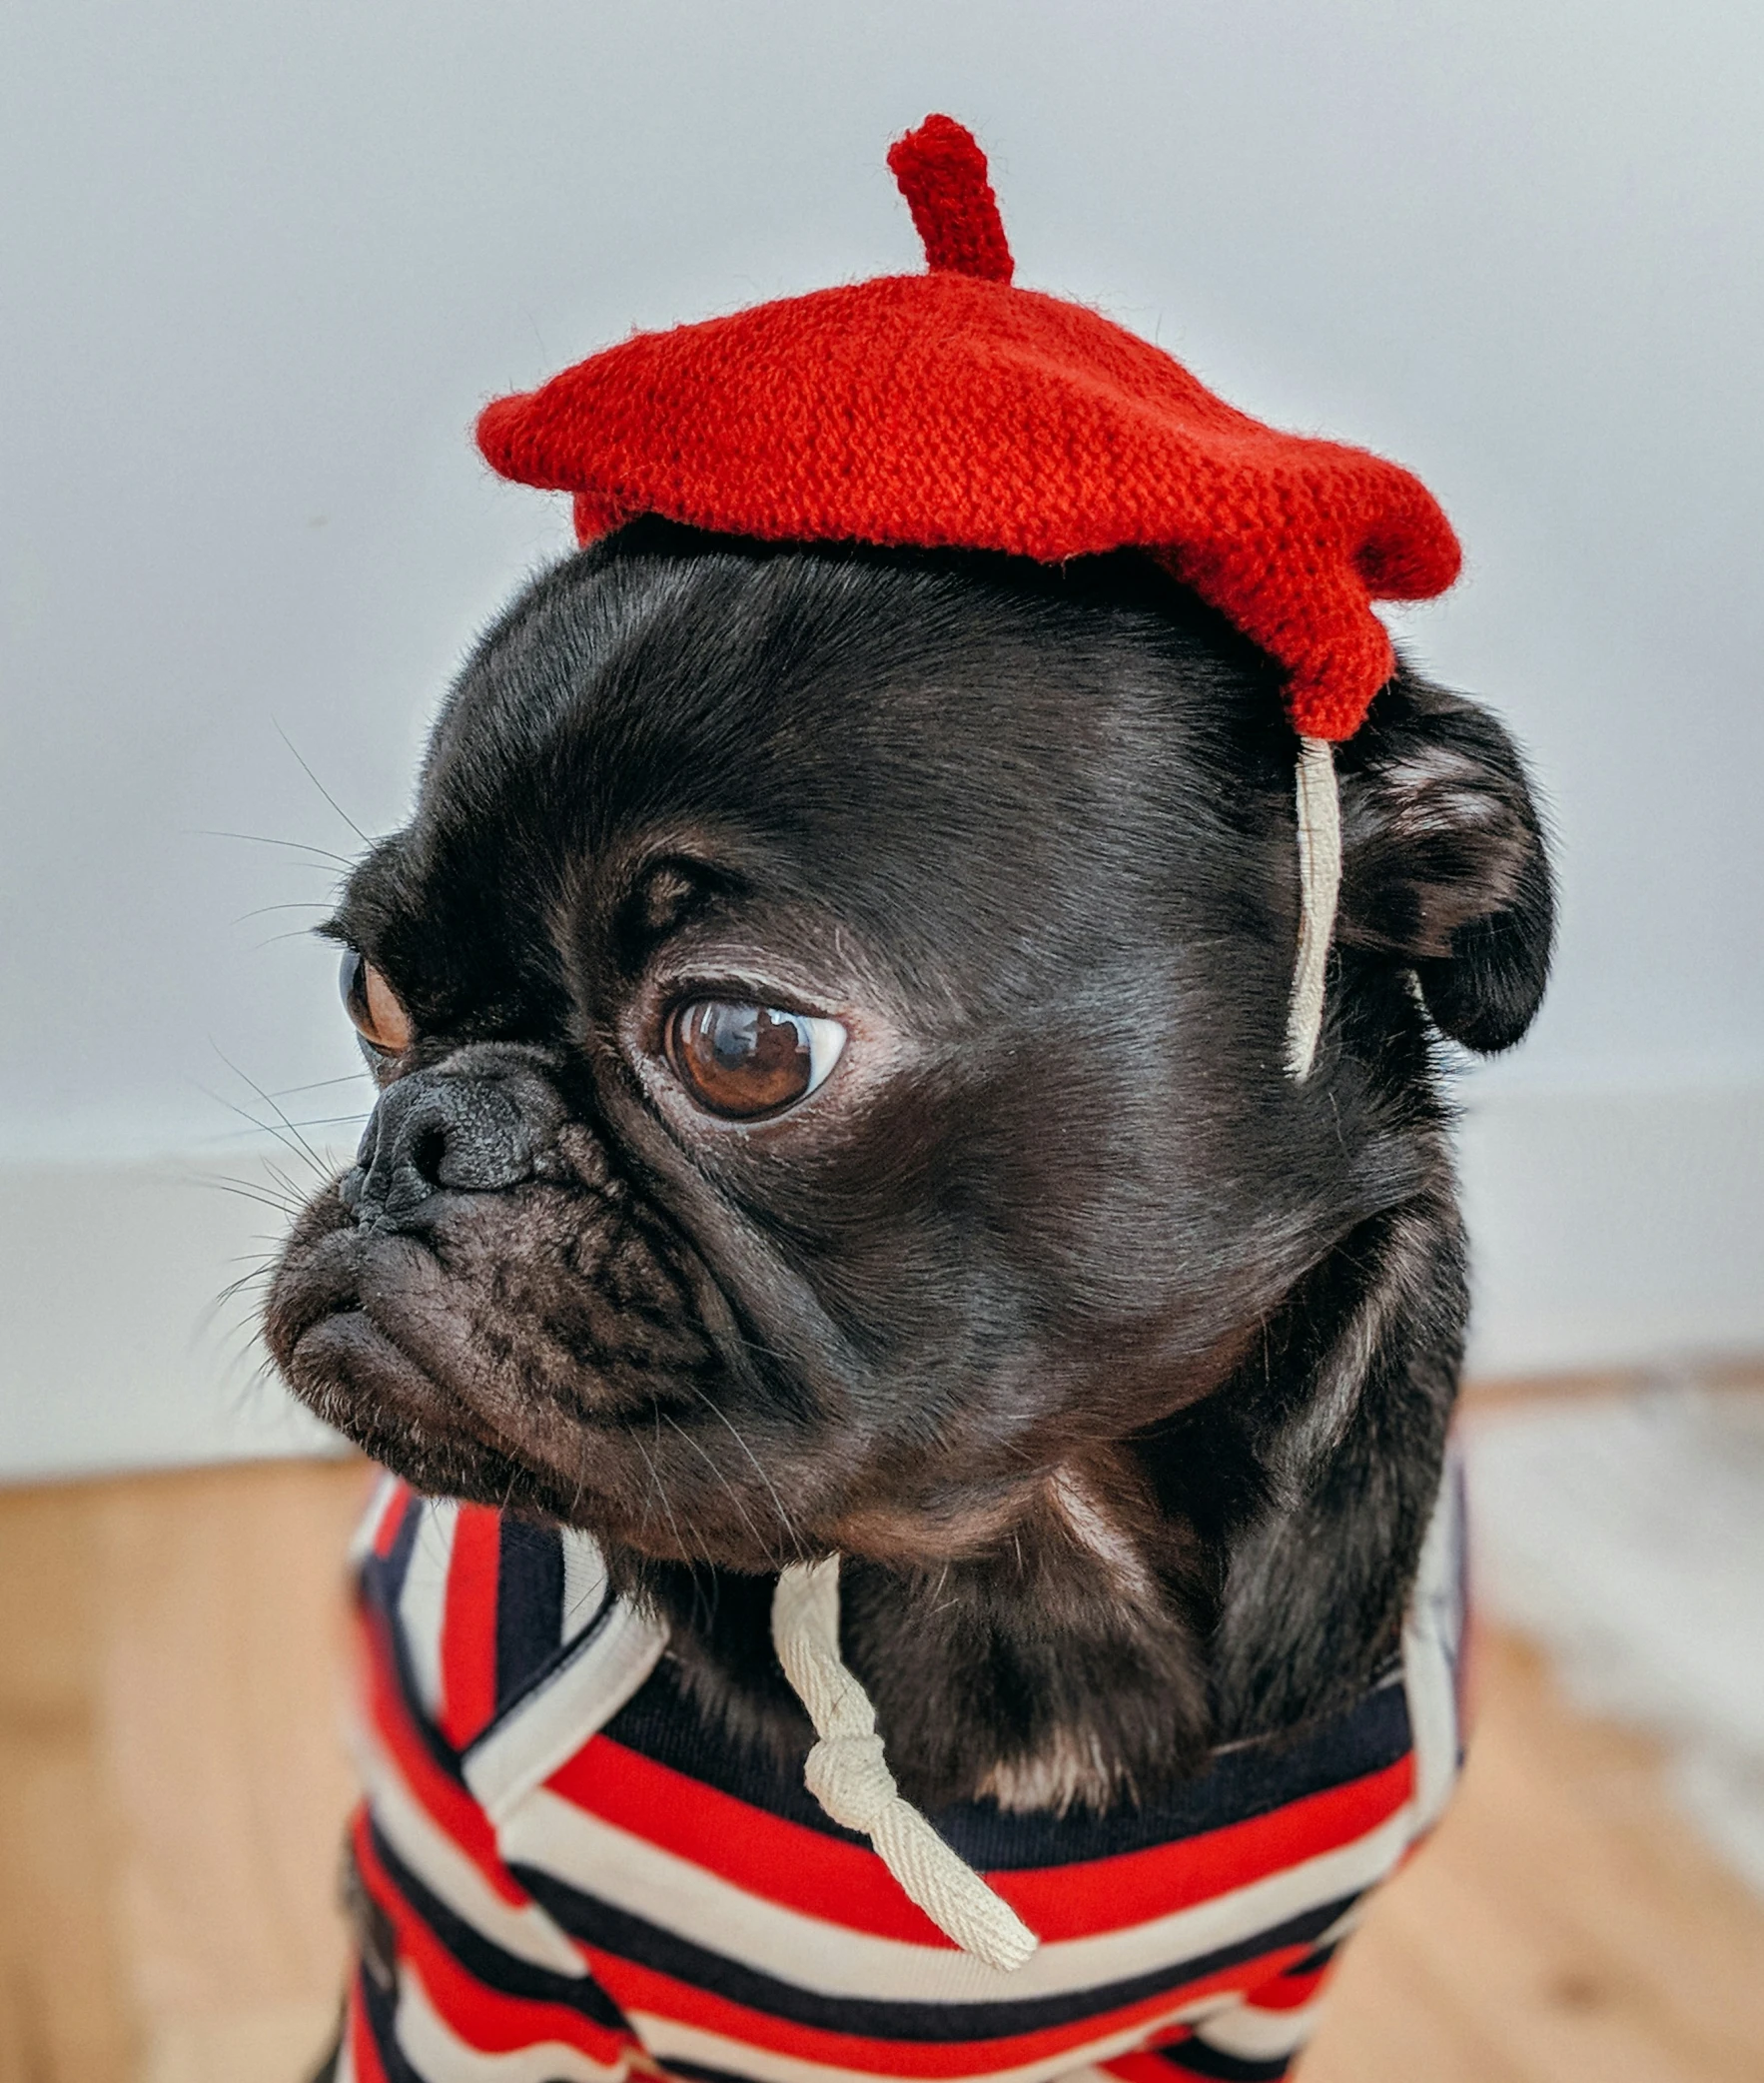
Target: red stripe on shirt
(641, 1990)
(398, 1499)
(1289, 1993)
(1146, 2068)
(448, 1803)
(489, 2020)
(364, 2048)
(493, 2022)
(818, 1875)
(468, 1626)
(768, 1856)
(1058, 1902)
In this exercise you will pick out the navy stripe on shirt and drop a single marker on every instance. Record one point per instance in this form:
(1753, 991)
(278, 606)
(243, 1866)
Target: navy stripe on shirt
(529, 1606)
(598, 1923)
(506, 1973)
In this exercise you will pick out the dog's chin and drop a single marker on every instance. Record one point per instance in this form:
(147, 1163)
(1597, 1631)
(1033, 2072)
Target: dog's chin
(408, 1346)
(365, 1332)
(350, 1374)
(617, 1478)
(356, 1378)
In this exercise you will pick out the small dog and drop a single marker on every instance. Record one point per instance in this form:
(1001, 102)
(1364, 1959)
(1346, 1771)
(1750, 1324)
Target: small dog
(828, 1009)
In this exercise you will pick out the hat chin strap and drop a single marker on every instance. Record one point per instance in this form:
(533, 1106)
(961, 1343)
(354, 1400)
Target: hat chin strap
(1319, 889)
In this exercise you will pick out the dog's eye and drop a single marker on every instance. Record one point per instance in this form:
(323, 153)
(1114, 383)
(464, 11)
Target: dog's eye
(745, 1060)
(380, 1020)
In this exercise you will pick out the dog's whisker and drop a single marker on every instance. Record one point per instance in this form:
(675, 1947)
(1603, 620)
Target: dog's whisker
(320, 853)
(209, 1317)
(249, 1190)
(352, 1077)
(660, 1493)
(688, 1541)
(242, 1284)
(267, 1128)
(283, 1133)
(320, 786)
(784, 1518)
(282, 1179)
(709, 1461)
(297, 904)
(275, 940)
(316, 1162)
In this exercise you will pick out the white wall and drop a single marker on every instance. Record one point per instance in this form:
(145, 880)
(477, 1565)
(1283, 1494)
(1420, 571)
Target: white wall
(262, 264)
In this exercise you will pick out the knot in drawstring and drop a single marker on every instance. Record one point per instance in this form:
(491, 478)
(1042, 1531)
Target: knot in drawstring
(850, 1779)
(847, 1773)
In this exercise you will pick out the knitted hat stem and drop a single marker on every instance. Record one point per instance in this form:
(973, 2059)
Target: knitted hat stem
(942, 173)
(1320, 888)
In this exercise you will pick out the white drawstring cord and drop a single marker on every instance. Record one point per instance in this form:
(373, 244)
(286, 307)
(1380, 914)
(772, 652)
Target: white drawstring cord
(848, 1774)
(1319, 889)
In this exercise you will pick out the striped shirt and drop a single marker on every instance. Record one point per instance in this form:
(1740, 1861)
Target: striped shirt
(567, 1876)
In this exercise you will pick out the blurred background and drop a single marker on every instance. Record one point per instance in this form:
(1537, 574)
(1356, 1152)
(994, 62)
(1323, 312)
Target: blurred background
(262, 264)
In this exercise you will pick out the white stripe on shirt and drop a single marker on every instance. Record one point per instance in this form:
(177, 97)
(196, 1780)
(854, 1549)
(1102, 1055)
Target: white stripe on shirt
(423, 1599)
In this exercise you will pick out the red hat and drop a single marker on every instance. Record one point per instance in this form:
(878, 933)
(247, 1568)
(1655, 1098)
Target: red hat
(951, 410)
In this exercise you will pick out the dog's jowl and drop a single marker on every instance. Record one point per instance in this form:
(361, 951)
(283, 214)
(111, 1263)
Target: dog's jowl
(914, 1323)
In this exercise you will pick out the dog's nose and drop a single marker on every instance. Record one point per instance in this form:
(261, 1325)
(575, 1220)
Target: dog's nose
(434, 1131)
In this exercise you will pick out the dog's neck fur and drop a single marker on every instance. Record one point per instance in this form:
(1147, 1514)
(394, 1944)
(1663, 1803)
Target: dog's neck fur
(1199, 1584)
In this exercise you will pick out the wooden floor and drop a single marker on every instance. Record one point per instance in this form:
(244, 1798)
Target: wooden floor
(172, 1785)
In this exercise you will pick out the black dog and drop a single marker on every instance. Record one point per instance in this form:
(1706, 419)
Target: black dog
(830, 1009)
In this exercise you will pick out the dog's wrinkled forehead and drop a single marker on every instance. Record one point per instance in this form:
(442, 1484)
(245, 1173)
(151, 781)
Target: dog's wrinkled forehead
(965, 770)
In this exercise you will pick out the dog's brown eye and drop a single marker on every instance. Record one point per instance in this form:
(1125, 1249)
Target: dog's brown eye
(380, 1020)
(744, 1060)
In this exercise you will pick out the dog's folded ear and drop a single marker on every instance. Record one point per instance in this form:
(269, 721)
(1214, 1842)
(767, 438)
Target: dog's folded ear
(1444, 869)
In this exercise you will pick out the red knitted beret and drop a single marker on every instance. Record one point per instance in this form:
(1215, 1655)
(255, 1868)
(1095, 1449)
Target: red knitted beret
(951, 410)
